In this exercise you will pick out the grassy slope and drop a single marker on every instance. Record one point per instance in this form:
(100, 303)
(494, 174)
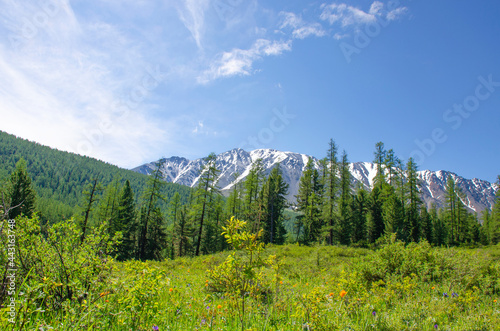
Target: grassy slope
(395, 288)
(60, 177)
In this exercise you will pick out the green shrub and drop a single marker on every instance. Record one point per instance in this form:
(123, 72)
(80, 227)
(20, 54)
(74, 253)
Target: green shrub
(55, 269)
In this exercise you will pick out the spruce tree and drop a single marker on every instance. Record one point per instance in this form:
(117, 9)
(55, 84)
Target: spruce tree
(156, 236)
(21, 195)
(90, 197)
(495, 218)
(126, 223)
(234, 202)
(108, 206)
(390, 163)
(426, 225)
(184, 231)
(331, 188)
(174, 209)
(253, 183)
(455, 212)
(485, 228)
(413, 202)
(359, 214)
(309, 203)
(393, 213)
(207, 186)
(274, 193)
(344, 217)
(375, 224)
(379, 160)
(150, 213)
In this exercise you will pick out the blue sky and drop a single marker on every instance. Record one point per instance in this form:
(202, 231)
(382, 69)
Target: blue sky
(128, 82)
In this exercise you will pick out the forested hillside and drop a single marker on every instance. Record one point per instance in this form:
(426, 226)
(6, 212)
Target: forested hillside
(59, 178)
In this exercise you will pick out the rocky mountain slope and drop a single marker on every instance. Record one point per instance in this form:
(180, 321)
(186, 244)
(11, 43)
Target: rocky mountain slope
(479, 193)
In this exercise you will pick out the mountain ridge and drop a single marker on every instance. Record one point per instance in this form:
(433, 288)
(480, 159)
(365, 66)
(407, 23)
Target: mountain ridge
(479, 193)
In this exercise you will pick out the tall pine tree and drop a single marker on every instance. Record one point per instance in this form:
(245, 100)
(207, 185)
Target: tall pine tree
(126, 223)
(331, 188)
(150, 215)
(207, 186)
(344, 215)
(309, 203)
(274, 193)
(21, 195)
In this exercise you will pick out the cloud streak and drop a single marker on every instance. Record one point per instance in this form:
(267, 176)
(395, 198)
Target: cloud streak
(192, 14)
(240, 61)
(301, 29)
(350, 16)
(59, 87)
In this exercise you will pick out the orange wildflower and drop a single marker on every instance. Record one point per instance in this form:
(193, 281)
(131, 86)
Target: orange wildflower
(342, 293)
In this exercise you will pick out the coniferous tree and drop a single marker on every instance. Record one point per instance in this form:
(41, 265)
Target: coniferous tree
(21, 195)
(150, 214)
(126, 223)
(439, 228)
(184, 231)
(253, 185)
(108, 206)
(474, 233)
(331, 188)
(455, 212)
(413, 202)
(274, 193)
(390, 163)
(426, 225)
(494, 228)
(308, 201)
(90, 196)
(344, 217)
(174, 211)
(234, 202)
(375, 224)
(380, 158)
(485, 229)
(207, 187)
(156, 236)
(392, 212)
(359, 214)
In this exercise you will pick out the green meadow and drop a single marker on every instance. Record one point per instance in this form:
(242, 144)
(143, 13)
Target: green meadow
(393, 286)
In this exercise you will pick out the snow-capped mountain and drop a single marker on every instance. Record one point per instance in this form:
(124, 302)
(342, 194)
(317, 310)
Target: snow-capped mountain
(480, 194)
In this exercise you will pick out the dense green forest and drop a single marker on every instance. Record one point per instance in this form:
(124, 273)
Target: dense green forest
(59, 178)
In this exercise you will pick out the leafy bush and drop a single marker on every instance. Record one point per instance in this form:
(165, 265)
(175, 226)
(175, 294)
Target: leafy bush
(54, 268)
(458, 267)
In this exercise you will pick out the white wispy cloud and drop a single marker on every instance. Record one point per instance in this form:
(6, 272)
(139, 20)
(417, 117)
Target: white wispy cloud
(301, 29)
(397, 13)
(192, 14)
(347, 15)
(239, 61)
(60, 84)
